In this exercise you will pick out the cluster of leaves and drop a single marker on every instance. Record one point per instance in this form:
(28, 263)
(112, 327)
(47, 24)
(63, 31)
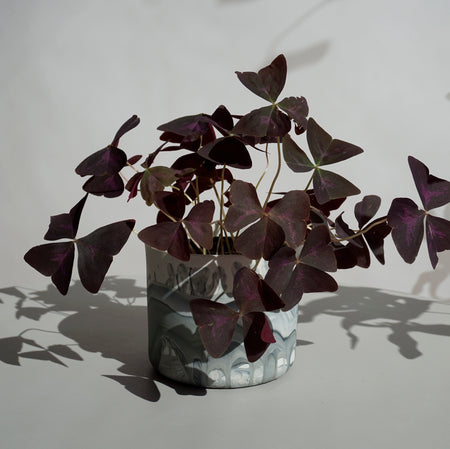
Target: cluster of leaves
(293, 232)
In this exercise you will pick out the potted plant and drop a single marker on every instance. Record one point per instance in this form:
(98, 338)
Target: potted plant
(228, 262)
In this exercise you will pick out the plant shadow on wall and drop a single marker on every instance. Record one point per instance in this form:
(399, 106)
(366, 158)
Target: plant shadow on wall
(112, 323)
(436, 278)
(375, 308)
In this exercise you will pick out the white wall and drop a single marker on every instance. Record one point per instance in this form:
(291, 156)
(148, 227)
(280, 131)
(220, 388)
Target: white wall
(375, 73)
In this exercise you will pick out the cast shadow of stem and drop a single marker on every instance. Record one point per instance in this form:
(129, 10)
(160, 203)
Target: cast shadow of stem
(375, 308)
(112, 323)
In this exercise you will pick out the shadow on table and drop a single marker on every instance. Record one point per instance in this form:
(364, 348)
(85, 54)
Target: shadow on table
(371, 307)
(112, 323)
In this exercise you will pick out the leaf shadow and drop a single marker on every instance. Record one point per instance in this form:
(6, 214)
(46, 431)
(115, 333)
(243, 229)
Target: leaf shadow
(375, 308)
(305, 55)
(433, 279)
(112, 323)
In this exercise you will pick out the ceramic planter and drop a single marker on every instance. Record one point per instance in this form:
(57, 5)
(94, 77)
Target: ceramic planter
(175, 348)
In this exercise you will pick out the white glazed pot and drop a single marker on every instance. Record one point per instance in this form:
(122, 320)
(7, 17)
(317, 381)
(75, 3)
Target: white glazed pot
(175, 348)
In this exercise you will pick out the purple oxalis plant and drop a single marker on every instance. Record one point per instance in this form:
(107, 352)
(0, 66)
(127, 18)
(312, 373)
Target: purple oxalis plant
(292, 231)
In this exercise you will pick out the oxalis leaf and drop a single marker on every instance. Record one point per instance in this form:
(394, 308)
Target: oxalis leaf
(95, 254)
(217, 322)
(409, 222)
(284, 222)
(171, 236)
(291, 276)
(269, 81)
(104, 166)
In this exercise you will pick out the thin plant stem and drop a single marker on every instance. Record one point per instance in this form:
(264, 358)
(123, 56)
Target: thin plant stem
(276, 174)
(310, 180)
(267, 167)
(361, 232)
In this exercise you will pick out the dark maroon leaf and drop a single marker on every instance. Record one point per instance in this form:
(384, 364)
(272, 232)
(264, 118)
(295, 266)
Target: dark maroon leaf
(245, 208)
(343, 230)
(167, 236)
(198, 223)
(133, 159)
(438, 236)
(329, 186)
(108, 161)
(433, 191)
(257, 335)
(297, 109)
(295, 158)
(109, 186)
(133, 185)
(223, 118)
(253, 294)
(261, 239)
(291, 213)
(131, 123)
(317, 252)
(407, 223)
(65, 225)
(191, 127)
(55, 260)
(375, 239)
(96, 251)
(281, 265)
(345, 256)
(227, 151)
(366, 209)
(269, 81)
(192, 160)
(268, 121)
(216, 323)
(325, 149)
(172, 203)
(155, 179)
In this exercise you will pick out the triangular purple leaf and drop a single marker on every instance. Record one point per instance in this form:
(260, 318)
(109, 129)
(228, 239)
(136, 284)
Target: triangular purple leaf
(216, 323)
(438, 236)
(167, 236)
(65, 225)
(329, 186)
(366, 209)
(191, 127)
(108, 161)
(261, 239)
(253, 294)
(375, 239)
(291, 213)
(55, 260)
(407, 223)
(325, 149)
(198, 223)
(109, 186)
(295, 158)
(297, 109)
(257, 335)
(131, 123)
(245, 208)
(223, 118)
(227, 151)
(317, 251)
(96, 251)
(433, 191)
(268, 121)
(269, 81)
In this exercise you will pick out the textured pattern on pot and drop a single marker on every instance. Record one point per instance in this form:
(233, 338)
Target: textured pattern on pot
(175, 348)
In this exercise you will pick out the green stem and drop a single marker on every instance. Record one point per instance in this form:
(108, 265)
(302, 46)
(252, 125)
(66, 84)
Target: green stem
(276, 174)
(310, 180)
(266, 169)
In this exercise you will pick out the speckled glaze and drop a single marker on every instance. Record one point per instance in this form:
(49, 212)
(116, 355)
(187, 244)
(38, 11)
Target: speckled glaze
(175, 348)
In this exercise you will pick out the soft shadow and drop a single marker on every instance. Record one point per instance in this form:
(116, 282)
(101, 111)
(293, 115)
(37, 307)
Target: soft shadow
(434, 279)
(304, 55)
(371, 307)
(112, 323)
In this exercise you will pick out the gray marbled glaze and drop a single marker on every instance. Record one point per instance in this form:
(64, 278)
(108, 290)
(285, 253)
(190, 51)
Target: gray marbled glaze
(175, 348)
